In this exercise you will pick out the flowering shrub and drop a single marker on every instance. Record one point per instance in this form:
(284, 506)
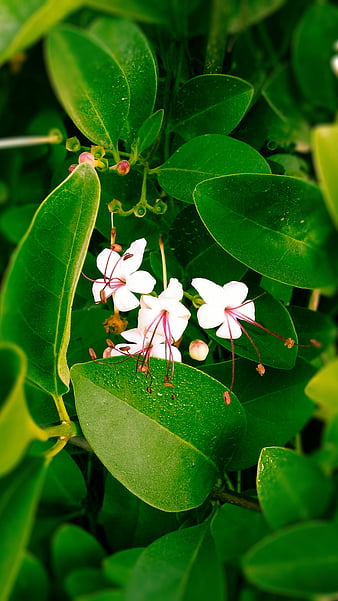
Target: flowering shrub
(169, 211)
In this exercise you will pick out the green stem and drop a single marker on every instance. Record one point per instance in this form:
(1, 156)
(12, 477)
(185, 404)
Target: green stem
(314, 299)
(227, 496)
(216, 45)
(22, 141)
(65, 429)
(61, 409)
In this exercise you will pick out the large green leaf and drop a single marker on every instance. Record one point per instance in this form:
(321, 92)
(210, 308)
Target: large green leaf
(312, 52)
(275, 406)
(130, 48)
(22, 23)
(291, 487)
(206, 157)
(20, 491)
(250, 213)
(166, 446)
(298, 561)
(40, 284)
(210, 104)
(89, 82)
(325, 142)
(182, 565)
(17, 429)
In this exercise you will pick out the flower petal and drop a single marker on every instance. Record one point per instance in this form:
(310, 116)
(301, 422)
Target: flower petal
(210, 292)
(106, 261)
(163, 351)
(230, 328)
(210, 316)
(141, 282)
(234, 293)
(129, 264)
(174, 291)
(124, 300)
(99, 285)
(245, 311)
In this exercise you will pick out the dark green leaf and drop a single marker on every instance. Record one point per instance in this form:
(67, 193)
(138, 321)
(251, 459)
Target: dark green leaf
(134, 431)
(149, 131)
(118, 567)
(40, 285)
(150, 12)
(300, 560)
(182, 565)
(250, 213)
(313, 325)
(244, 15)
(210, 104)
(73, 548)
(275, 405)
(205, 157)
(291, 487)
(85, 581)
(32, 581)
(89, 83)
(64, 484)
(20, 492)
(130, 48)
(325, 141)
(17, 429)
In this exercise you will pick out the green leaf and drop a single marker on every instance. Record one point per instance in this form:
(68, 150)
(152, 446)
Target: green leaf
(150, 12)
(64, 484)
(206, 157)
(189, 422)
(149, 131)
(85, 581)
(72, 549)
(22, 23)
(250, 213)
(316, 326)
(210, 104)
(31, 582)
(182, 565)
(17, 428)
(118, 567)
(129, 47)
(235, 530)
(267, 348)
(291, 487)
(20, 492)
(40, 284)
(325, 141)
(323, 389)
(275, 406)
(242, 16)
(312, 53)
(300, 560)
(90, 84)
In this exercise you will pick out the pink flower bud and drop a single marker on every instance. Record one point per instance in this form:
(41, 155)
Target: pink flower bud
(198, 350)
(71, 168)
(123, 167)
(86, 157)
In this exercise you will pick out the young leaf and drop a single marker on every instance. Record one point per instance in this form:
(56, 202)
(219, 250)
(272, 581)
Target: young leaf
(17, 429)
(22, 23)
(275, 406)
(250, 213)
(298, 561)
(40, 284)
(149, 131)
(323, 389)
(210, 104)
(181, 565)
(127, 44)
(134, 432)
(90, 84)
(205, 157)
(325, 141)
(20, 492)
(291, 487)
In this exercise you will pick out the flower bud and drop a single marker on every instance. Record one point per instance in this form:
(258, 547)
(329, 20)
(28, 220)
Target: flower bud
(198, 350)
(140, 211)
(71, 168)
(73, 144)
(114, 206)
(122, 167)
(86, 157)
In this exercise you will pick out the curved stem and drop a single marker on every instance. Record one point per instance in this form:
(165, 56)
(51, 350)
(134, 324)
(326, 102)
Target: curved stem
(229, 496)
(61, 408)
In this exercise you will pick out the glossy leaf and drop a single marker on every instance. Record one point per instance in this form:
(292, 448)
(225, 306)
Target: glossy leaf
(323, 389)
(130, 48)
(267, 348)
(248, 213)
(22, 23)
(205, 157)
(181, 565)
(210, 104)
(312, 52)
(90, 84)
(291, 487)
(235, 530)
(133, 431)
(325, 141)
(74, 548)
(20, 492)
(297, 561)
(40, 286)
(17, 428)
(149, 131)
(313, 326)
(275, 406)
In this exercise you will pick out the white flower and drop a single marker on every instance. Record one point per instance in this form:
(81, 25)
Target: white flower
(165, 314)
(121, 278)
(147, 344)
(224, 306)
